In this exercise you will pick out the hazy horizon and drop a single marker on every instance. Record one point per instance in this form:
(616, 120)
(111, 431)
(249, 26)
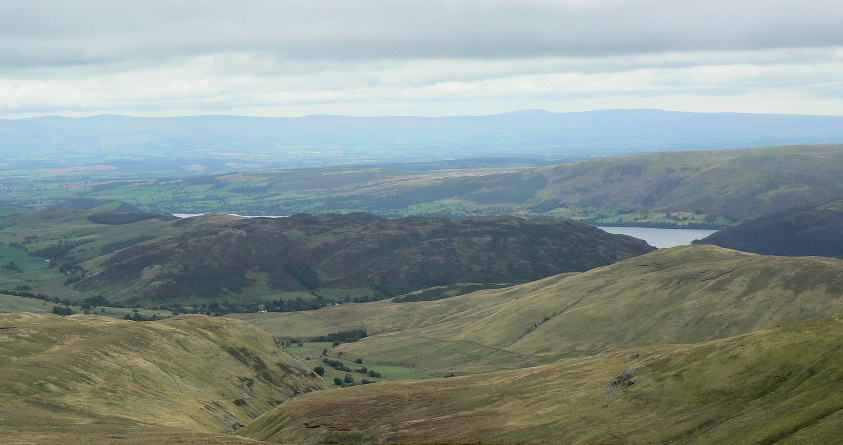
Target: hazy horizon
(418, 58)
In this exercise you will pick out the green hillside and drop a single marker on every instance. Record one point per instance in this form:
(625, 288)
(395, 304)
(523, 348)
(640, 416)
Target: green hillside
(783, 385)
(687, 294)
(732, 183)
(283, 264)
(802, 231)
(713, 188)
(181, 377)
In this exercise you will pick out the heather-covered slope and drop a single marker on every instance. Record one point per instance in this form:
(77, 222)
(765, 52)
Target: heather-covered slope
(293, 263)
(802, 231)
(335, 255)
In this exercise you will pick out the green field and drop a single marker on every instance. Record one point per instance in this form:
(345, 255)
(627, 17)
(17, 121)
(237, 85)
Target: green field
(681, 189)
(311, 353)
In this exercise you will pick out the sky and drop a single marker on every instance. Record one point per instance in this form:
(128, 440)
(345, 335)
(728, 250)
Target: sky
(419, 58)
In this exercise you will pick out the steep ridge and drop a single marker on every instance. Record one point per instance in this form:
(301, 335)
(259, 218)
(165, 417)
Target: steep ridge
(783, 385)
(189, 375)
(815, 229)
(687, 294)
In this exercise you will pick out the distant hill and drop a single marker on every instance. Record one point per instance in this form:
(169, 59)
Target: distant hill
(224, 143)
(98, 205)
(334, 255)
(96, 378)
(685, 189)
(687, 295)
(782, 385)
(815, 229)
(736, 184)
(301, 262)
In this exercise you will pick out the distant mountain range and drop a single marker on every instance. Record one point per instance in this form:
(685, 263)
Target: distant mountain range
(225, 143)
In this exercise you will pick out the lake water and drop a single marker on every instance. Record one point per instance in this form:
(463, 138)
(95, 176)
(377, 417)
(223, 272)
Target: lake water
(191, 215)
(661, 238)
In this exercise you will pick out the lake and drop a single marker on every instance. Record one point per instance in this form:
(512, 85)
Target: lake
(661, 238)
(191, 215)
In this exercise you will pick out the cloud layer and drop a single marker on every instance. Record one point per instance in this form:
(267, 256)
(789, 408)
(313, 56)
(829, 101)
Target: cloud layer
(418, 57)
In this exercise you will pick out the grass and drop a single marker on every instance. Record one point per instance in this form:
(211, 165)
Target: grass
(194, 373)
(717, 188)
(687, 294)
(311, 353)
(13, 304)
(784, 384)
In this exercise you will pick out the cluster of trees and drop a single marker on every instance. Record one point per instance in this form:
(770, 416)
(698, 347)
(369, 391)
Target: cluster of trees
(348, 380)
(136, 316)
(342, 337)
(340, 366)
(218, 308)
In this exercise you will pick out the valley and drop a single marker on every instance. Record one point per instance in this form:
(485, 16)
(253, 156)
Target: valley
(460, 222)
(698, 189)
(503, 322)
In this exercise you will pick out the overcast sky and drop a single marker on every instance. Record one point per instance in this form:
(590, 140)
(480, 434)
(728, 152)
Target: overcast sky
(424, 58)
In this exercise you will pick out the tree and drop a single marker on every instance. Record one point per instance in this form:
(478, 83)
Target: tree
(62, 310)
(348, 378)
(319, 370)
(337, 381)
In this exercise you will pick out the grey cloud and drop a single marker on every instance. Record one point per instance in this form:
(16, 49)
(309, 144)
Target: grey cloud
(59, 33)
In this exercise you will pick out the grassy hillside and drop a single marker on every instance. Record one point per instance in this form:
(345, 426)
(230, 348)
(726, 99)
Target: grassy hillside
(686, 294)
(293, 263)
(207, 375)
(735, 183)
(806, 230)
(717, 188)
(783, 385)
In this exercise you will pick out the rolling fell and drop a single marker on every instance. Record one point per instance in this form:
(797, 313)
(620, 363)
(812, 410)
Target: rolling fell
(782, 385)
(189, 373)
(687, 295)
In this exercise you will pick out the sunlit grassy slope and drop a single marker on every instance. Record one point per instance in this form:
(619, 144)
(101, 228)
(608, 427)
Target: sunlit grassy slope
(686, 294)
(206, 375)
(783, 385)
